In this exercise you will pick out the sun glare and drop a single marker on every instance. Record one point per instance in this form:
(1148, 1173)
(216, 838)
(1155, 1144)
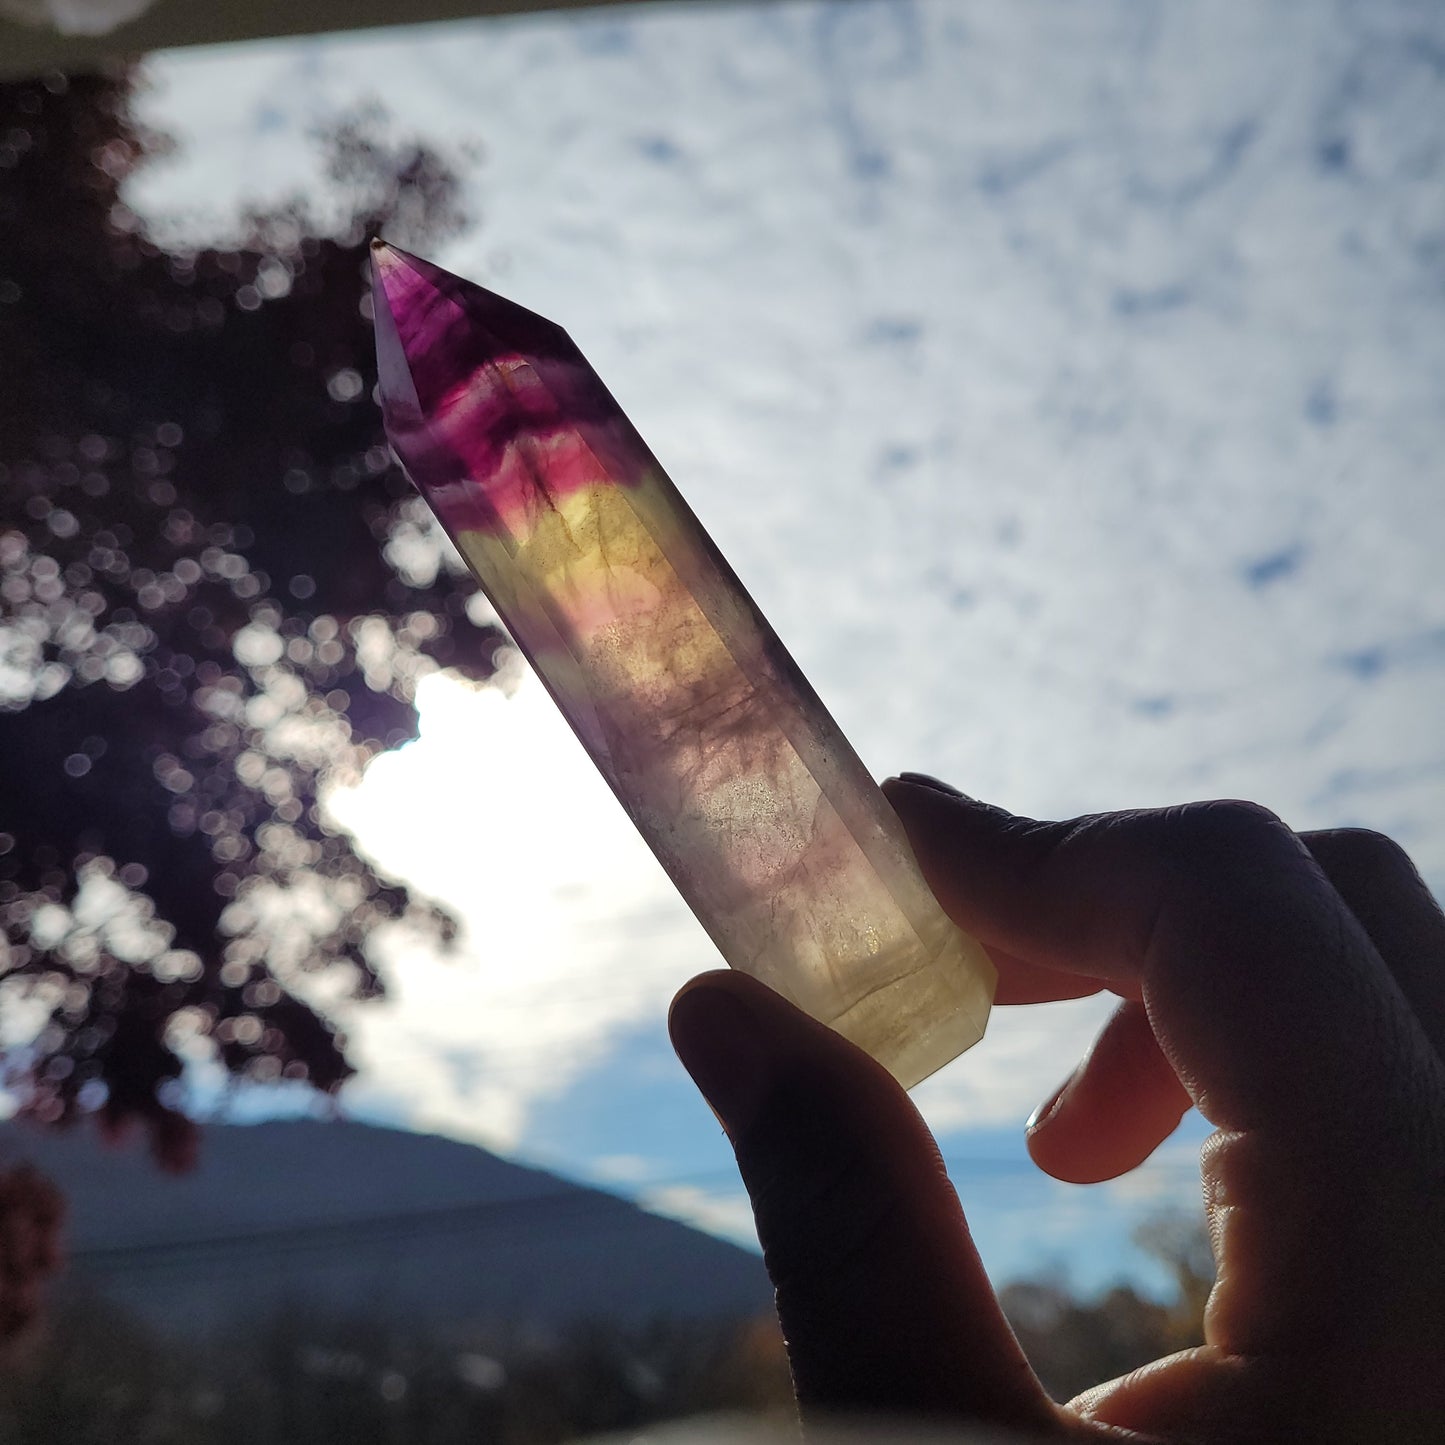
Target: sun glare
(497, 812)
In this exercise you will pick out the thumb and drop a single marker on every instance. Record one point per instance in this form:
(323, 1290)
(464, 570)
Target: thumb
(884, 1304)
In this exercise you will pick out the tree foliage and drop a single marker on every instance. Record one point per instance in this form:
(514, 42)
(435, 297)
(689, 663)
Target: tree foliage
(97, 1376)
(1075, 1343)
(217, 595)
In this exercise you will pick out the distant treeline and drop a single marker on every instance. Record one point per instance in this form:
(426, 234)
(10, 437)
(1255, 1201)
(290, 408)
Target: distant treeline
(89, 1375)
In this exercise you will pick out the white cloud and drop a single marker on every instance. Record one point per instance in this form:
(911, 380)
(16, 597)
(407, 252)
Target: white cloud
(723, 1212)
(622, 1169)
(1024, 1055)
(573, 933)
(1169, 1179)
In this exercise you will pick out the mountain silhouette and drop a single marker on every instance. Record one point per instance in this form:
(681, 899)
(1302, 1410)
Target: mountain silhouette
(339, 1217)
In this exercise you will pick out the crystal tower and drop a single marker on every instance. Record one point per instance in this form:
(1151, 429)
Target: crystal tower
(711, 738)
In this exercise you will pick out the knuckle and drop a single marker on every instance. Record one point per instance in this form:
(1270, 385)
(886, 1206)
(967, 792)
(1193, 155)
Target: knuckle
(1365, 850)
(1185, 859)
(1228, 820)
(1222, 835)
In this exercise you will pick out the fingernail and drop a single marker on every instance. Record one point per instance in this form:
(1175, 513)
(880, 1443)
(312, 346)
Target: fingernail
(925, 780)
(722, 1045)
(1041, 1115)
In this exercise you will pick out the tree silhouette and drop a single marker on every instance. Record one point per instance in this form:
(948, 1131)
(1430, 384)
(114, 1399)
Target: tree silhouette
(1075, 1344)
(216, 597)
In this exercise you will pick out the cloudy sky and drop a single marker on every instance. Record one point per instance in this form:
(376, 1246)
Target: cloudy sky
(1064, 381)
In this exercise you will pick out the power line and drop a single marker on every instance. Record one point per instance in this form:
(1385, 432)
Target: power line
(592, 1208)
(533, 1211)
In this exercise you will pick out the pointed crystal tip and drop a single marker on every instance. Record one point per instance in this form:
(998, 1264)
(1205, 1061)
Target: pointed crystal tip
(386, 258)
(491, 407)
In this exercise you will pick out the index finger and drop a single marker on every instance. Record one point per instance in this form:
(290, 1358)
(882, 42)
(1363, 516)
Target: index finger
(1265, 993)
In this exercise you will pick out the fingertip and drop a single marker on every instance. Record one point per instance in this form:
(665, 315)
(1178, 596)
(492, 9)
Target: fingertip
(1056, 1143)
(927, 780)
(974, 857)
(937, 823)
(1059, 1153)
(1040, 1117)
(735, 1036)
(1114, 1110)
(727, 988)
(910, 789)
(713, 978)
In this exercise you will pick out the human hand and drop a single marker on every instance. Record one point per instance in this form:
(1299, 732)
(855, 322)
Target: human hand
(1290, 986)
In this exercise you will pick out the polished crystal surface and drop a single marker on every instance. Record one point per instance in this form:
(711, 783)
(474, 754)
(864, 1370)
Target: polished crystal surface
(707, 732)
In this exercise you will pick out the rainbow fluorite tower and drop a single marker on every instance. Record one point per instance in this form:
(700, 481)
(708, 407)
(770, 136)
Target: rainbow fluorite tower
(712, 739)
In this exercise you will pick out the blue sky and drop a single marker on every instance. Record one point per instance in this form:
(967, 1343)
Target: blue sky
(1064, 381)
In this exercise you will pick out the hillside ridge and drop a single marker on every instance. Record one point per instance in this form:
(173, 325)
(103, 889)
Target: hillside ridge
(341, 1215)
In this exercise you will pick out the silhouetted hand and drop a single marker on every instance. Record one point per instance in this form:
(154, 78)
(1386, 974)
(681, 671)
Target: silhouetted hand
(1290, 986)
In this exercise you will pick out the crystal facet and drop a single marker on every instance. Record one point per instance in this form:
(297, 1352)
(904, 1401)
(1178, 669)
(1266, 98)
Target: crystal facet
(707, 732)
